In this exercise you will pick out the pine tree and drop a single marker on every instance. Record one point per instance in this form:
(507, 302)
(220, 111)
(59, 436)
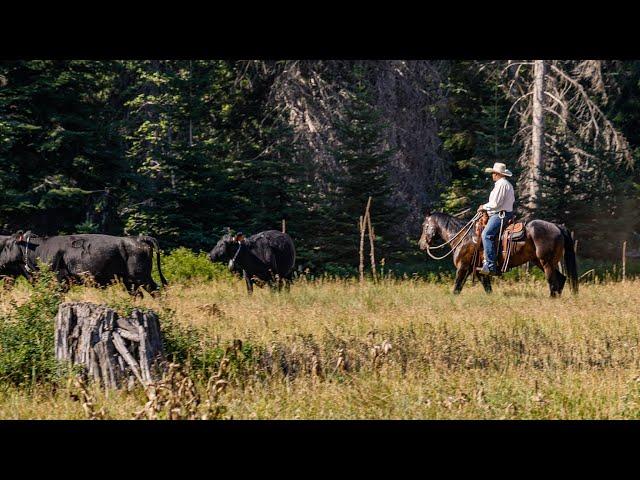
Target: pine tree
(584, 184)
(60, 158)
(178, 146)
(181, 149)
(624, 110)
(474, 135)
(363, 160)
(263, 161)
(209, 153)
(558, 199)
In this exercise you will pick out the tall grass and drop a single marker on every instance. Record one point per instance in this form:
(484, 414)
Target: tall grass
(332, 348)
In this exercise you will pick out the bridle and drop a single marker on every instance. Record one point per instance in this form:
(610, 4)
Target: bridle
(431, 231)
(26, 254)
(233, 260)
(456, 238)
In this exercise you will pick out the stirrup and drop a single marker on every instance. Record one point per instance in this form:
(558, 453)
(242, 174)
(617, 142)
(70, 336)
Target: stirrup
(485, 270)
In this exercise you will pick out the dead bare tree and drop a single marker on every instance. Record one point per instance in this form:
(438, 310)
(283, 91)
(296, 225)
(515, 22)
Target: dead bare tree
(537, 132)
(555, 103)
(312, 93)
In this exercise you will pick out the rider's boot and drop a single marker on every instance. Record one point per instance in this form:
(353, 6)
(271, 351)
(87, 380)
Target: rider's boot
(488, 269)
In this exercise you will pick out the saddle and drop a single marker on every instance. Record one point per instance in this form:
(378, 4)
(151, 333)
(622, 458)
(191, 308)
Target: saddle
(514, 232)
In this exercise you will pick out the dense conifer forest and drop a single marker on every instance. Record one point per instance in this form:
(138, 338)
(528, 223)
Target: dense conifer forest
(182, 149)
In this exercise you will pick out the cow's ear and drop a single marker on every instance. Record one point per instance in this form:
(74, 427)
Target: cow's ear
(239, 237)
(427, 212)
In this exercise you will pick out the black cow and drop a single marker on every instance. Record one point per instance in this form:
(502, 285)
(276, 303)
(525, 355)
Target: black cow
(7, 271)
(268, 256)
(73, 257)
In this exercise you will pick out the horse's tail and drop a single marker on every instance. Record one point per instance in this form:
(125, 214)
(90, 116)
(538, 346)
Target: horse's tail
(570, 259)
(154, 245)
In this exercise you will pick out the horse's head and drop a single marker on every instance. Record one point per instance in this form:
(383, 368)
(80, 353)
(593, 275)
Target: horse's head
(429, 231)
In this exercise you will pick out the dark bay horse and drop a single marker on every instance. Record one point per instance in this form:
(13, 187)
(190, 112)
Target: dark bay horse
(544, 246)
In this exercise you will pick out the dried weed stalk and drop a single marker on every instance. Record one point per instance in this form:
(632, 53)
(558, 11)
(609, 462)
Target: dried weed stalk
(88, 401)
(176, 397)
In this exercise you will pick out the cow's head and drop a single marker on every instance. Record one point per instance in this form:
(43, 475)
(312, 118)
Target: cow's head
(12, 253)
(226, 247)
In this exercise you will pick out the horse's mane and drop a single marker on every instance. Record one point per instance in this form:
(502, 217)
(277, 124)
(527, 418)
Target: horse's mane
(448, 222)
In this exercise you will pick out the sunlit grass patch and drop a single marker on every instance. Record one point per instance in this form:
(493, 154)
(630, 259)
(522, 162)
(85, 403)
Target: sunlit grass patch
(396, 349)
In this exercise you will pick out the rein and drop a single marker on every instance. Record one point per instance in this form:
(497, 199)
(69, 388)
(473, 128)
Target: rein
(499, 248)
(466, 229)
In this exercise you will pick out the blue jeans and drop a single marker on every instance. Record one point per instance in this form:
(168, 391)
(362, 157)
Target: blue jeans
(489, 234)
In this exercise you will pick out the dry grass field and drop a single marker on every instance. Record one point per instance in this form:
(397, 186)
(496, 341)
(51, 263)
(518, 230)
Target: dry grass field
(394, 350)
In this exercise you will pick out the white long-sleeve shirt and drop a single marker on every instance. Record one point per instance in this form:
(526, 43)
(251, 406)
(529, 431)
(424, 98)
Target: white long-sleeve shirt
(501, 198)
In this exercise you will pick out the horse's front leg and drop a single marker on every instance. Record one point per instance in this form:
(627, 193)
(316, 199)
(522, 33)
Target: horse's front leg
(486, 280)
(461, 276)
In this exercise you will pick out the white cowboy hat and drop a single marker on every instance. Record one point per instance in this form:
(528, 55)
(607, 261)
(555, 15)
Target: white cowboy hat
(500, 168)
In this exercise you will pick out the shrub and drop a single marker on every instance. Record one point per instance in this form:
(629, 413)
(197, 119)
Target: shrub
(183, 265)
(27, 334)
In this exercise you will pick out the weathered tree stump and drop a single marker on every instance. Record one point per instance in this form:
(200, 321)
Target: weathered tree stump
(113, 349)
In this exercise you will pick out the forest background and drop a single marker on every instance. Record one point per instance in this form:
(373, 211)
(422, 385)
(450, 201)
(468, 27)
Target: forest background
(182, 149)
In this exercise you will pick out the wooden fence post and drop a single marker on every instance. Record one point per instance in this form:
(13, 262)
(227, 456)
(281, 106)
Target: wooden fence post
(284, 226)
(371, 245)
(624, 260)
(361, 265)
(363, 225)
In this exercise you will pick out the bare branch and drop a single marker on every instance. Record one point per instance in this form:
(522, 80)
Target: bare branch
(513, 106)
(610, 134)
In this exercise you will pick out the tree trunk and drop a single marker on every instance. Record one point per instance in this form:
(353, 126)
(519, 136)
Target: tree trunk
(537, 134)
(112, 349)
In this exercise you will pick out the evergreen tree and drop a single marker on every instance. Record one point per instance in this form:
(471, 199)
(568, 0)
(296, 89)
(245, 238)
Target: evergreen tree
(363, 162)
(559, 200)
(474, 135)
(266, 177)
(624, 110)
(60, 157)
(209, 153)
(177, 145)
(597, 202)
(584, 184)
